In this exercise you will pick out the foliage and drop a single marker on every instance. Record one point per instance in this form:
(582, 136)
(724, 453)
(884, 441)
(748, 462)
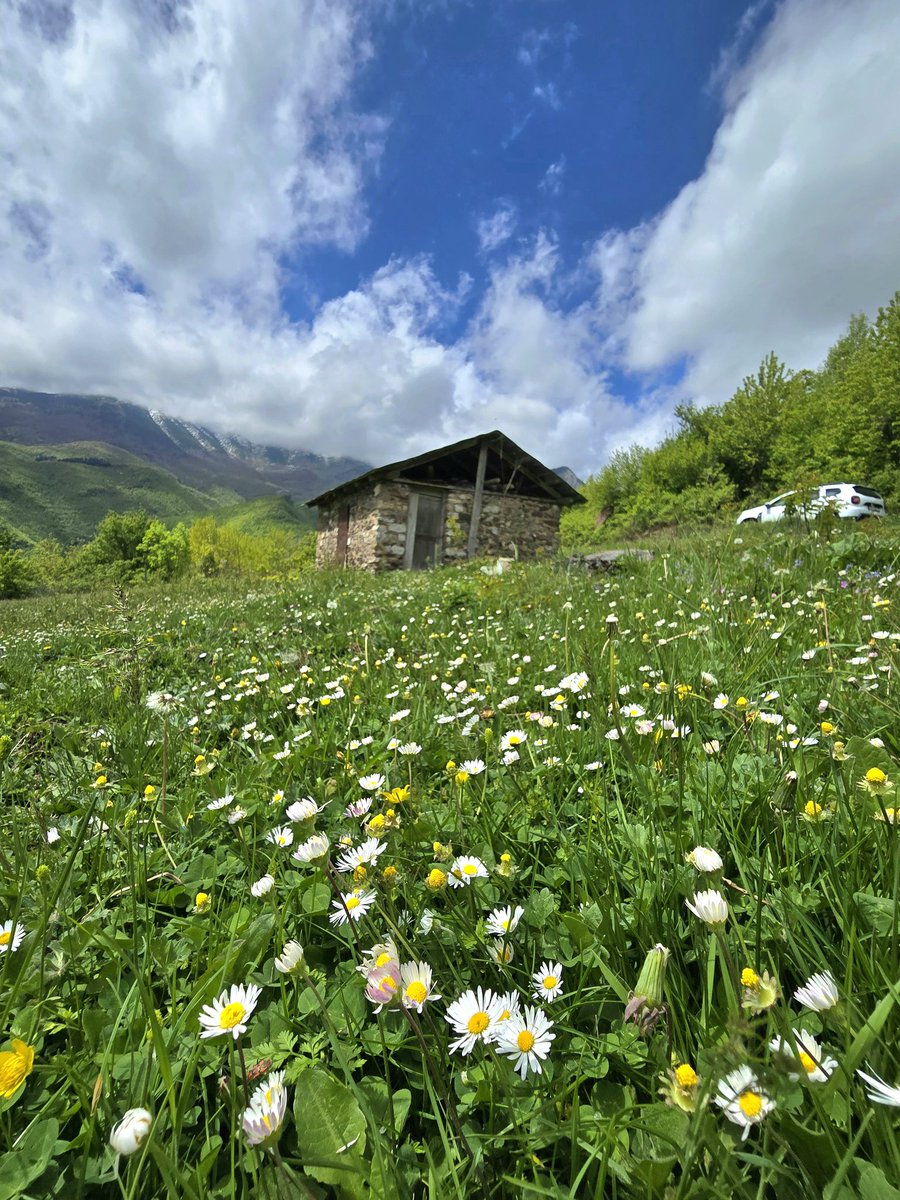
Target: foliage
(739, 695)
(780, 430)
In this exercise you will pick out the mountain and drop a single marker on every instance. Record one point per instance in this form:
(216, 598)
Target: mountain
(65, 460)
(567, 474)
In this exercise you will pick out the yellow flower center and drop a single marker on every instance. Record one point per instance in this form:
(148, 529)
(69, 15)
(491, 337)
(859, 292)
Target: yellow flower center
(462, 776)
(351, 902)
(478, 1022)
(549, 982)
(875, 775)
(382, 959)
(750, 1104)
(808, 1062)
(749, 978)
(231, 1015)
(525, 1041)
(417, 991)
(514, 741)
(389, 983)
(436, 879)
(470, 869)
(686, 1076)
(813, 809)
(5, 938)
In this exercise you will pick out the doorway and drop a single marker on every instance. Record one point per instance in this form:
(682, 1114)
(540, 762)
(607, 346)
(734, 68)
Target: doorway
(424, 531)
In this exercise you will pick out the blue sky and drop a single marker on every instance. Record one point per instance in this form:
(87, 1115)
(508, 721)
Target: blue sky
(369, 227)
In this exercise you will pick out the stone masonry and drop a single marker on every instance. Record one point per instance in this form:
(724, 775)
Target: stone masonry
(510, 524)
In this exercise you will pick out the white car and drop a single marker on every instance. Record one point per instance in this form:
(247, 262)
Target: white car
(847, 499)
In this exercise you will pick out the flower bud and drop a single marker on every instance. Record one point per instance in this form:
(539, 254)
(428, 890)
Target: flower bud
(127, 1136)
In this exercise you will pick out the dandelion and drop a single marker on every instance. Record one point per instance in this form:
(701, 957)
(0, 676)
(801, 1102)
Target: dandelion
(503, 921)
(646, 1004)
(547, 982)
(474, 1017)
(15, 1067)
(819, 993)
(711, 907)
(526, 1038)
(877, 1090)
(742, 1100)
(292, 959)
(371, 783)
(416, 985)
(129, 1133)
(11, 934)
(262, 887)
(263, 1118)
(465, 869)
(283, 835)
(437, 879)
(230, 1012)
(312, 849)
(680, 1087)
(806, 1052)
(162, 702)
(705, 860)
(201, 902)
(351, 907)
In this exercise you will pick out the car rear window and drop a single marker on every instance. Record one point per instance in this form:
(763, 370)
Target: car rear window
(864, 491)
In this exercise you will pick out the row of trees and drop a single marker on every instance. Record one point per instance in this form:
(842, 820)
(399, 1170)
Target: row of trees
(132, 546)
(780, 430)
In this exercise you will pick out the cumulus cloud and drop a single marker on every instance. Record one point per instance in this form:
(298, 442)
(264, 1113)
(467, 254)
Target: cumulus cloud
(795, 220)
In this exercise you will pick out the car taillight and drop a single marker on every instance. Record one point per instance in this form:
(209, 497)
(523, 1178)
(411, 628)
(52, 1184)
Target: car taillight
(855, 500)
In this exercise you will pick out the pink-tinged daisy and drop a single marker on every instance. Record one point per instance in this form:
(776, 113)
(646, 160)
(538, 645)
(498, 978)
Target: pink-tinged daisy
(383, 985)
(359, 808)
(230, 1013)
(263, 1117)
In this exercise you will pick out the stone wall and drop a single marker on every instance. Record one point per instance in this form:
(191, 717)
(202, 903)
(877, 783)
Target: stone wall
(378, 525)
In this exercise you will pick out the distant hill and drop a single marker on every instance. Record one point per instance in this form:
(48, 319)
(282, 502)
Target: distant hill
(569, 476)
(65, 460)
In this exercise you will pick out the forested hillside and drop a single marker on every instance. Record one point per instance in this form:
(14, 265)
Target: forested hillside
(781, 429)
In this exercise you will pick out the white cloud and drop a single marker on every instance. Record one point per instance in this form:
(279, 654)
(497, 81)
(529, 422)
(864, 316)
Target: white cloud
(552, 181)
(795, 221)
(498, 228)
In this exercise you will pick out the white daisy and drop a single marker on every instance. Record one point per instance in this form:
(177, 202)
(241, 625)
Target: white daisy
(303, 810)
(503, 921)
(262, 887)
(474, 1017)
(351, 907)
(222, 802)
(312, 849)
(128, 1135)
(11, 934)
(804, 1052)
(415, 985)
(818, 993)
(515, 737)
(283, 835)
(230, 1012)
(464, 869)
(711, 907)
(409, 749)
(742, 1101)
(471, 766)
(880, 1092)
(705, 860)
(361, 856)
(525, 1038)
(371, 783)
(263, 1117)
(547, 981)
(292, 959)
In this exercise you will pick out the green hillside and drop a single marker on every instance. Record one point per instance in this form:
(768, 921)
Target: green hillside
(63, 491)
(267, 514)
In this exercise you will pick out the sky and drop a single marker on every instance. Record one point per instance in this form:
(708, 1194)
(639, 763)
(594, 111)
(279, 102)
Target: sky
(371, 227)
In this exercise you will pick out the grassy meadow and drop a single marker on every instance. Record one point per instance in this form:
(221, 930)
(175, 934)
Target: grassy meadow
(458, 884)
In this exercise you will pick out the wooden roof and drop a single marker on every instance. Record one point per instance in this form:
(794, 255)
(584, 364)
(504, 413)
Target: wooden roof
(510, 469)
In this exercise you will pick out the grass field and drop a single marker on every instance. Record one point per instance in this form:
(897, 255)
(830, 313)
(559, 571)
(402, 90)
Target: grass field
(638, 812)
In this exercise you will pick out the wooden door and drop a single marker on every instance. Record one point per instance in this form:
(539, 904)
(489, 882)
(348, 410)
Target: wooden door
(343, 535)
(425, 530)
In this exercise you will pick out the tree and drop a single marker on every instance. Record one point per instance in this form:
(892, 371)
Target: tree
(747, 429)
(164, 552)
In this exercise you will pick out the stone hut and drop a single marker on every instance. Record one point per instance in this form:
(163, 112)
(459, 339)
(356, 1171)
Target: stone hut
(481, 496)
